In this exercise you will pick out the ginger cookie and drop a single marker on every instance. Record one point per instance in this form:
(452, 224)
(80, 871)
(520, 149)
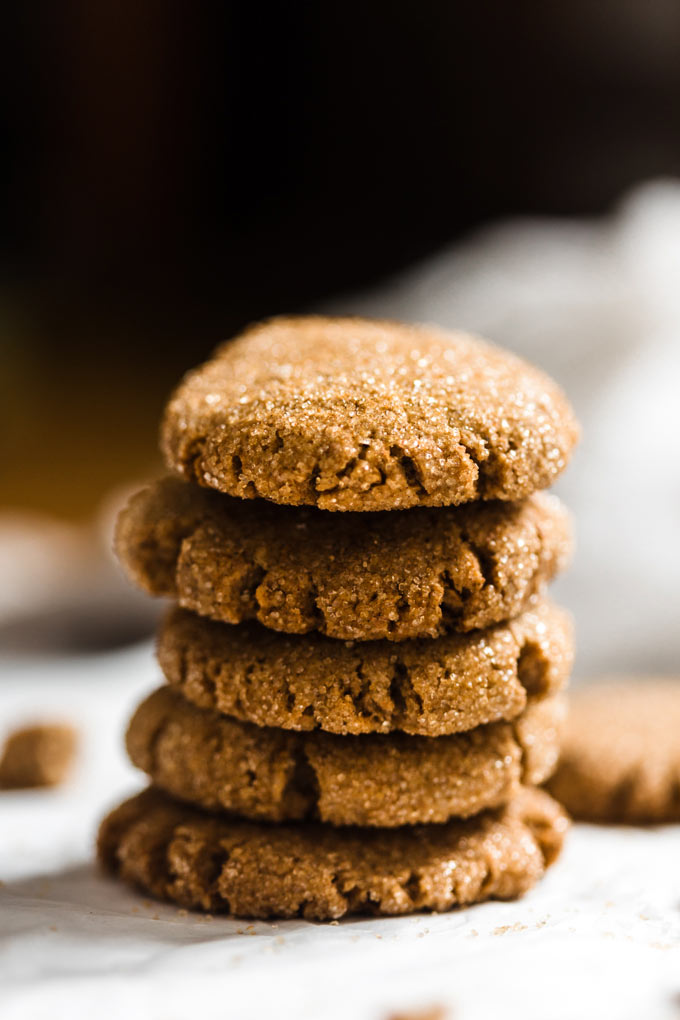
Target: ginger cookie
(620, 757)
(216, 863)
(354, 577)
(355, 414)
(222, 764)
(430, 688)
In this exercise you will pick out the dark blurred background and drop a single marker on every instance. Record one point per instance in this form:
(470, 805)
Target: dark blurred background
(172, 170)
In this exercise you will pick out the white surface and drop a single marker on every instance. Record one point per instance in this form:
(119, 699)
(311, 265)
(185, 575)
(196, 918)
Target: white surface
(600, 937)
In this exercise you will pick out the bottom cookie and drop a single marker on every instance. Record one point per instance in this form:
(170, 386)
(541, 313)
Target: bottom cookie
(620, 757)
(251, 869)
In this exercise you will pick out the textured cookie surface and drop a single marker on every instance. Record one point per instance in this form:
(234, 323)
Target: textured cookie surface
(352, 414)
(620, 760)
(355, 576)
(213, 863)
(422, 687)
(220, 763)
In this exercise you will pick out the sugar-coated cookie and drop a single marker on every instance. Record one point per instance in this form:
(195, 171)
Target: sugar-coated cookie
(222, 764)
(422, 687)
(350, 576)
(356, 414)
(251, 869)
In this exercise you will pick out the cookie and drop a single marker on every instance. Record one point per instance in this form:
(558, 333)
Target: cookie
(249, 869)
(421, 687)
(222, 764)
(39, 755)
(354, 414)
(354, 577)
(620, 760)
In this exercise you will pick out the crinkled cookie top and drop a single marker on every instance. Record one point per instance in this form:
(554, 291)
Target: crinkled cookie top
(354, 414)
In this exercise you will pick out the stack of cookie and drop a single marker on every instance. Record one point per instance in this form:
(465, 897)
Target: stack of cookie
(363, 674)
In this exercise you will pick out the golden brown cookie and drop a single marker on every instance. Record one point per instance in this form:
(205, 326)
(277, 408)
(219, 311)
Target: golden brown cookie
(222, 764)
(354, 414)
(216, 863)
(620, 760)
(422, 687)
(355, 577)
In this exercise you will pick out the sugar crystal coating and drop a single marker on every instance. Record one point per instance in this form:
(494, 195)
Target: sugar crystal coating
(355, 414)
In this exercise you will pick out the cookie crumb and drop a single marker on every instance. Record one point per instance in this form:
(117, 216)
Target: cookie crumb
(429, 1013)
(36, 756)
(504, 928)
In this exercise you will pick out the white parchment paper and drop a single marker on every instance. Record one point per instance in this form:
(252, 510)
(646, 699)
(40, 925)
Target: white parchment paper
(600, 937)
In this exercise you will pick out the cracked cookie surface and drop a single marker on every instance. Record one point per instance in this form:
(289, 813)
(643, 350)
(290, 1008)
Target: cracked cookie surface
(356, 414)
(620, 759)
(354, 576)
(222, 764)
(205, 862)
(421, 687)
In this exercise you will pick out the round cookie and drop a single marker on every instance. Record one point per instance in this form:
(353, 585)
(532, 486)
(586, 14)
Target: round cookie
(354, 577)
(430, 688)
(221, 764)
(356, 414)
(620, 759)
(204, 862)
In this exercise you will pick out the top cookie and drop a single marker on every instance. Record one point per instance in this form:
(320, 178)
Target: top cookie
(354, 414)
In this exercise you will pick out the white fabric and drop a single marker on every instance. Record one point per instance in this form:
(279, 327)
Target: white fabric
(598, 304)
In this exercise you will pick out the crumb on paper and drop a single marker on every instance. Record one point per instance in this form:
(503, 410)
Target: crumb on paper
(429, 1013)
(36, 756)
(504, 928)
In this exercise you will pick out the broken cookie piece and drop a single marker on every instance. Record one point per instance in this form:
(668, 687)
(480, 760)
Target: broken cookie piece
(39, 755)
